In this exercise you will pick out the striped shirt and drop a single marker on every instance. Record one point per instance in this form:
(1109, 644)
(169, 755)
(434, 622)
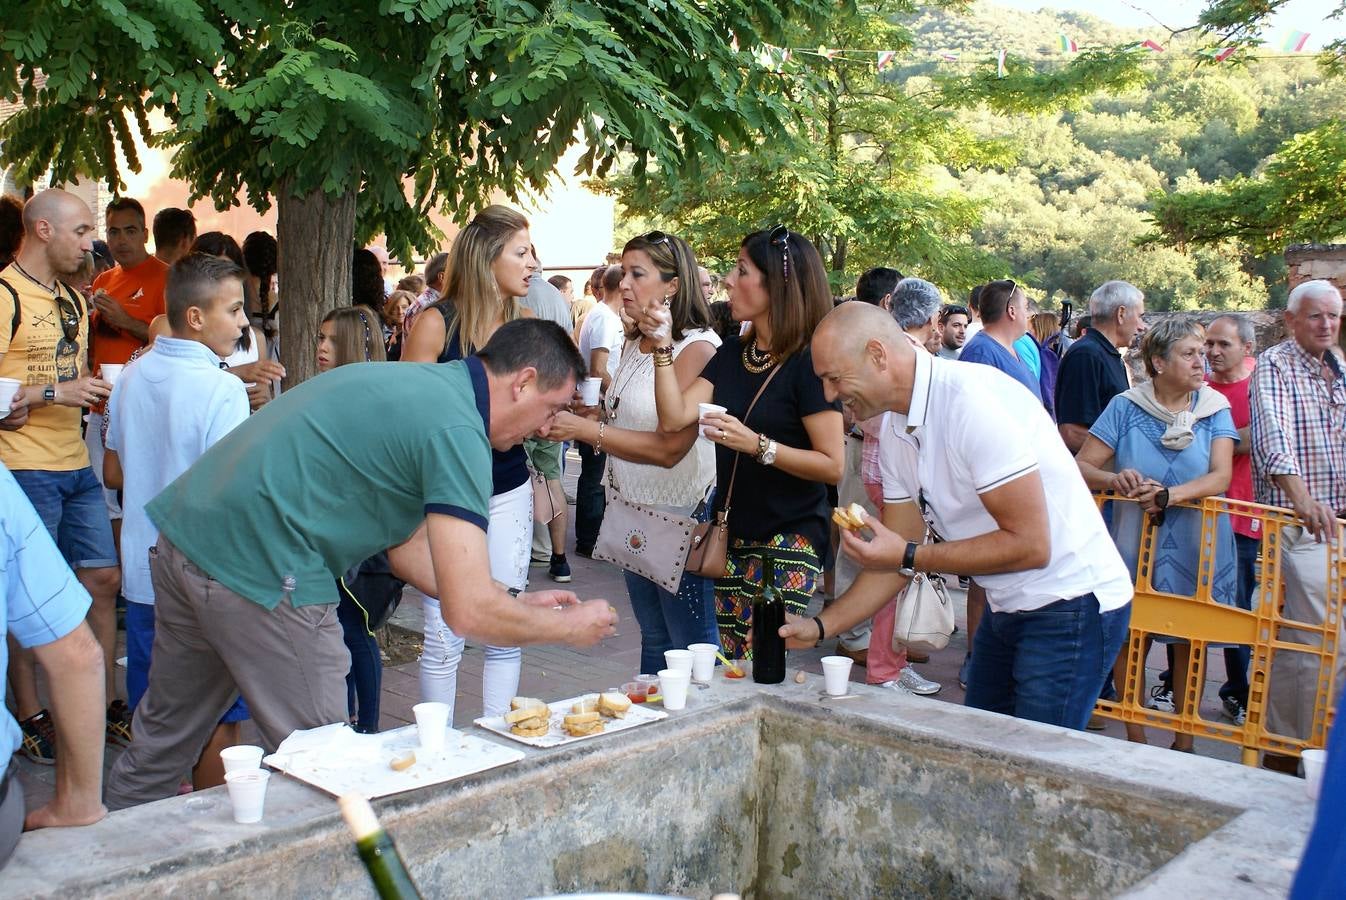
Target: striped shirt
(1298, 425)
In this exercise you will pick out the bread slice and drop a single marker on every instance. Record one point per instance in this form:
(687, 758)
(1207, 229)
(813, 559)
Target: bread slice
(587, 704)
(584, 729)
(531, 728)
(614, 704)
(515, 716)
(850, 517)
(525, 703)
(583, 718)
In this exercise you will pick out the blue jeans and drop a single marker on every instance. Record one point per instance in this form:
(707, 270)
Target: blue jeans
(139, 641)
(590, 501)
(672, 621)
(1236, 659)
(1046, 664)
(72, 507)
(365, 678)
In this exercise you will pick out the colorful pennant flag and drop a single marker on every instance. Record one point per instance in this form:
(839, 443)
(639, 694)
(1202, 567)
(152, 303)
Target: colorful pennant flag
(1068, 45)
(887, 59)
(1295, 41)
(1151, 45)
(1000, 64)
(949, 57)
(828, 53)
(1225, 54)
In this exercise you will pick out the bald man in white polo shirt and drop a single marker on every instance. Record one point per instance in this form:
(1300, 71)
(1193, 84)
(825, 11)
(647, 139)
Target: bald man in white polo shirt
(971, 452)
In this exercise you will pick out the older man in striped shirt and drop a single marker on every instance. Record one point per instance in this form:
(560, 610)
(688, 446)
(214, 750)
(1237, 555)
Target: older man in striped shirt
(1298, 399)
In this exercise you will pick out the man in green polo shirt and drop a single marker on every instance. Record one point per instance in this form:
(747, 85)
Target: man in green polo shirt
(253, 536)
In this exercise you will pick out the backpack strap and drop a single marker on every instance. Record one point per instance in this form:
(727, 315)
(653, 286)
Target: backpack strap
(18, 311)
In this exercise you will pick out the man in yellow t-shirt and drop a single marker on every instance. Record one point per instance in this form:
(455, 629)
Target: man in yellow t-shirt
(44, 332)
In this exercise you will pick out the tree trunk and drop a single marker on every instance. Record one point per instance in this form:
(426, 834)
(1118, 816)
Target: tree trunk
(315, 234)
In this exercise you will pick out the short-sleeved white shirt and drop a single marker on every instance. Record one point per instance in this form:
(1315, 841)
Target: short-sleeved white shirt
(602, 331)
(972, 429)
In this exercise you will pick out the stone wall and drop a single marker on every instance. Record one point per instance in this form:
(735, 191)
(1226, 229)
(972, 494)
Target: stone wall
(1310, 261)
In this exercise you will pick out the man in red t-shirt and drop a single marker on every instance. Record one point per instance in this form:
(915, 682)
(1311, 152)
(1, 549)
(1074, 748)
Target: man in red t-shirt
(126, 299)
(1229, 349)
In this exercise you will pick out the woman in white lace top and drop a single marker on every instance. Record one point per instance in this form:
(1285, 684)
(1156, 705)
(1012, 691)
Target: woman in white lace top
(672, 471)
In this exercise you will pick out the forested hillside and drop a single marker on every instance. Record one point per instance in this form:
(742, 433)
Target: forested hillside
(1068, 212)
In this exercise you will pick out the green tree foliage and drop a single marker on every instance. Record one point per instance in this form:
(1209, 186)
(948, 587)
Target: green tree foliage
(860, 171)
(1293, 196)
(1073, 207)
(377, 112)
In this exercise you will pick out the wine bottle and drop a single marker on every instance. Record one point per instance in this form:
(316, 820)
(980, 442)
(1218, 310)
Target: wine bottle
(768, 615)
(377, 851)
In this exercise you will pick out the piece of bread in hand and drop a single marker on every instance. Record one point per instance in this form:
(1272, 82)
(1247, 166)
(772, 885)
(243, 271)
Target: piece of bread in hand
(850, 517)
(614, 704)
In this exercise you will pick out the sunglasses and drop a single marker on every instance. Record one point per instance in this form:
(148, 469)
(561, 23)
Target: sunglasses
(69, 317)
(780, 237)
(658, 237)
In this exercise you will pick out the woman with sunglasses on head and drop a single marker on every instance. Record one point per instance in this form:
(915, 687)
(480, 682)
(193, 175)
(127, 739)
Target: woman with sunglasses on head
(488, 271)
(648, 466)
(790, 445)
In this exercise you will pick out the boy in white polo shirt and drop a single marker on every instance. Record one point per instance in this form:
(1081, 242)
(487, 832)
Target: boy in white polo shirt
(997, 485)
(168, 407)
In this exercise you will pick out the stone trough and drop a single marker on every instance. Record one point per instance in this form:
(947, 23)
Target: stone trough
(768, 792)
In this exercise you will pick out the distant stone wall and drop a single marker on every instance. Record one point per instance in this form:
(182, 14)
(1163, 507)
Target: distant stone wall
(1312, 261)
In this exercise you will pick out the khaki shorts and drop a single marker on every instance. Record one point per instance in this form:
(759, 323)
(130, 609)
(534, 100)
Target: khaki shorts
(545, 457)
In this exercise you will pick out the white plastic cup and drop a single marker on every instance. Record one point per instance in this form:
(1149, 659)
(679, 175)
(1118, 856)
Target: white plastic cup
(247, 792)
(8, 388)
(589, 391)
(705, 409)
(836, 675)
(1314, 761)
(432, 720)
(673, 684)
(703, 661)
(241, 758)
(679, 660)
(111, 372)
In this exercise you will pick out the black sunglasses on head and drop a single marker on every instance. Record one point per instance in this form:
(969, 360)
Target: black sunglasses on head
(780, 237)
(658, 237)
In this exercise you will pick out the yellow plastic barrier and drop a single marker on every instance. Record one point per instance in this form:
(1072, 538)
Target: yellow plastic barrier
(1203, 623)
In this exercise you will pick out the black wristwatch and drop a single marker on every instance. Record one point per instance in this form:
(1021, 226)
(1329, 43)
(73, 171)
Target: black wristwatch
(908, 569)
(49, 394)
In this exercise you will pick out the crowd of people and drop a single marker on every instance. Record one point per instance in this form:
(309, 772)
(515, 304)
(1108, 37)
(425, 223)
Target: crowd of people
(259, 537)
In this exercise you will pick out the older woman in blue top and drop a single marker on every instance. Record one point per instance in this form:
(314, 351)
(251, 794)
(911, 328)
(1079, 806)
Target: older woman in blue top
(1161, 443)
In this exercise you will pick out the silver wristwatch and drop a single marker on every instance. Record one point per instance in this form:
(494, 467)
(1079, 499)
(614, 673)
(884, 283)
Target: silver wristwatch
(768, 456)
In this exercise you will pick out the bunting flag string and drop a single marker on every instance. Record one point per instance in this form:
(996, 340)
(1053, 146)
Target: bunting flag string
(886, 61)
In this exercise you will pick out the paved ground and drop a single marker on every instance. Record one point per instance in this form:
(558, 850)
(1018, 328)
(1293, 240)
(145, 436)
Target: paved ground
(556, 672)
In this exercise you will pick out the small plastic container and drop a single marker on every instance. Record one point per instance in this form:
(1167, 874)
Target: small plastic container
(636, 692)
(651, 683)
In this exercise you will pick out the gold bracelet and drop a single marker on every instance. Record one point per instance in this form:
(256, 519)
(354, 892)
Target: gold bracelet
(661, 361)
(598, 445)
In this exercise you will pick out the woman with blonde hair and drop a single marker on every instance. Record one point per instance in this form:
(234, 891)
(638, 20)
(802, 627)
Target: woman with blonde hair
(489, 267)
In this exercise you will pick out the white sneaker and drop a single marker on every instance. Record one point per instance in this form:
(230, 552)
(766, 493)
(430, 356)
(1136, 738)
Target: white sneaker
(893, 686)
(911, 680)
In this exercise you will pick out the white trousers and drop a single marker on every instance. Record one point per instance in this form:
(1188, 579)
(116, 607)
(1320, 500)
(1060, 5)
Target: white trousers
(1294, 676)
(509, 538)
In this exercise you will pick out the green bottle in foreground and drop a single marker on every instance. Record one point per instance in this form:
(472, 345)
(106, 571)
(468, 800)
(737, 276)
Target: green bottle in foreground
(380, 856)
